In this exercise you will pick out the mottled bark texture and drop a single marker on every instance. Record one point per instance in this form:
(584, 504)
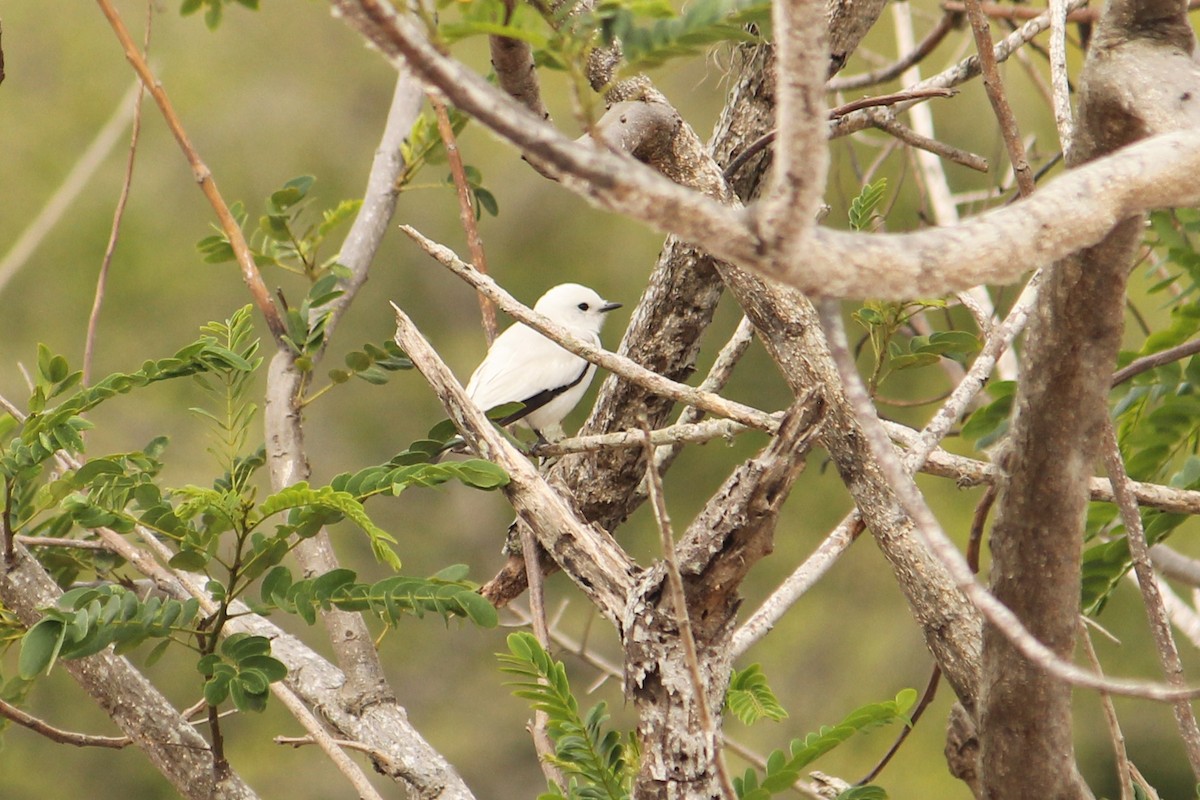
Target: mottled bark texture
(142, 713)
(733, 532)
(786, 323)
(1138, 80)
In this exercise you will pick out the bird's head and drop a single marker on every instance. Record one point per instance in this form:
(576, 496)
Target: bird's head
(575, 306)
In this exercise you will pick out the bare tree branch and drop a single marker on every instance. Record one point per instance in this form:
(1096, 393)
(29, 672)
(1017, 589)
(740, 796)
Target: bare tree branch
(123, 198)
(625, 368)
(913, 57)
(994, 86)
(1145, 363)
(593, 560)
(133, 703)
(11, 712)
(1074, 211)
(1160, 624)
(202, 174)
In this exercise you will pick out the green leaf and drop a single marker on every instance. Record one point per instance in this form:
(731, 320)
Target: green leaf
(40, 647)
(750, 699)
(987, 424)
(863, 206)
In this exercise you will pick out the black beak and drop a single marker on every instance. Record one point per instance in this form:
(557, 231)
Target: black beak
(609, 307)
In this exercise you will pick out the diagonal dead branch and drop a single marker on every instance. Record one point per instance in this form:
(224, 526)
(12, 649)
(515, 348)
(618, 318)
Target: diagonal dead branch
(14, 714)
(590, 556)
(994, 86)
(1160, 624)
(999, 615)
(623, 367)
(202, 174)
(118, 214)
(466, 212)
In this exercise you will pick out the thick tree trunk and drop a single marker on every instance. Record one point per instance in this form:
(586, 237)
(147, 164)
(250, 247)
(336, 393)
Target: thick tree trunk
(1138, 80)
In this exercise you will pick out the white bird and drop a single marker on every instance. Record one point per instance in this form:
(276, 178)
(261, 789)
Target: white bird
(523, 366)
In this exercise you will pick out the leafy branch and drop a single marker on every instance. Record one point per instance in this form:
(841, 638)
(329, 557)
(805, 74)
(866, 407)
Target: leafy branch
(598, 762)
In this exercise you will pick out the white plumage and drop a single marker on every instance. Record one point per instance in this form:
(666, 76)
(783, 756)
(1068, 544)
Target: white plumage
(523, 366)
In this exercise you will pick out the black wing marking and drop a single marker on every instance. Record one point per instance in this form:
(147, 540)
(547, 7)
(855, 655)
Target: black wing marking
(541, 398)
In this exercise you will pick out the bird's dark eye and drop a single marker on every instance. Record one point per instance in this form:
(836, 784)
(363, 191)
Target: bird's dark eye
(583, 306)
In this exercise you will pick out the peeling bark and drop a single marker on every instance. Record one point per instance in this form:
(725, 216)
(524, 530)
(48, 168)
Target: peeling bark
(733, 532)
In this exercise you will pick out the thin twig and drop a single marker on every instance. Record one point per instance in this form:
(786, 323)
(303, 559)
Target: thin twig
(890, 100)
(50, 541)
(89, 345)
(56, 207)
(1058, 74)
(1160, 625)
(889, 124)
(803, 578)
(968, 472)
(1005, 11)
(929, 532)
(912, 58)
(907, 96)
(302, 741)
(542, 742)
(619, 365)
(353, 773)
(1146, 363)
(995, 92)
(203, 176)
(965, 69)
(978, 522)
(679, 434)
(1120, 755)
(931, 686)
(25, 720)
(466, 211)
(682, 619)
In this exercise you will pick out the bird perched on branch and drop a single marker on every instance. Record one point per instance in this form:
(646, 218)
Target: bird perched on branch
(523, 366)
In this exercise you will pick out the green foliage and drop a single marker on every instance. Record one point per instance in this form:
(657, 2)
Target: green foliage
(424, 144)
(286, 237)
(885, 322)
(1157, 413)
(213, 9)
(750, 698)
(242, 668)
(597, 762)
(651, 33)
(228, 388)
(88, 619)
(783, 768)
(322, 504)
(220, 530)
(492, 18)
(863, 793)
(48, 430)
(989, 423)
(862, 208)
(372, 364)
(446, 594)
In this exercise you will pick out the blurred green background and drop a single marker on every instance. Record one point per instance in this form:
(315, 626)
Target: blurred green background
(289, 91)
